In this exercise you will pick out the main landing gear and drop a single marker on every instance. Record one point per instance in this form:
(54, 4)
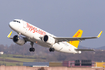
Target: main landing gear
(31, 49)
(51, 49)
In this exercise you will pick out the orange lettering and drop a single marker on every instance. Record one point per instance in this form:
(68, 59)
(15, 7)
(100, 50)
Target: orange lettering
(77, 34)
(34, 29)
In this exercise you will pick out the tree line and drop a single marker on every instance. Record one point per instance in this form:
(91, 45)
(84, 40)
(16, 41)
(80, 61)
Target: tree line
(43, 53)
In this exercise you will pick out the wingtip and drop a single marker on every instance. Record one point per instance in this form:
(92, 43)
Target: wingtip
(9, 35)
(99, 34)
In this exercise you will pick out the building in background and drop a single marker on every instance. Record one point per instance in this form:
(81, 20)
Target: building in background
(99, 64)
(78, 63)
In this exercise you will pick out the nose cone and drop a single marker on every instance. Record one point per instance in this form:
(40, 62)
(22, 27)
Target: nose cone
(14, 25)
(11, 25)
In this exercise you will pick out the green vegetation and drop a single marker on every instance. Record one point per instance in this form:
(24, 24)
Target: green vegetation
(13, 60)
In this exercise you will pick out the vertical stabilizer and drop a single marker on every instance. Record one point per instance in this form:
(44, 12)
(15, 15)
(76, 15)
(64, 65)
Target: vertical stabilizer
(77, 34)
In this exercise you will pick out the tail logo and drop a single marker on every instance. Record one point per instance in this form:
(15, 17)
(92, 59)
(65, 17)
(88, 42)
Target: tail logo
(77, 34)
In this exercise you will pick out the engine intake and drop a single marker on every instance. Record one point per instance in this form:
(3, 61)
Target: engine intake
(49, 39)
(45, 38)
(19, 40)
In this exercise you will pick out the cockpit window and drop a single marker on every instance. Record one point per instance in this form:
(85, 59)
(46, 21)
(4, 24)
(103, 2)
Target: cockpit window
(16, 21)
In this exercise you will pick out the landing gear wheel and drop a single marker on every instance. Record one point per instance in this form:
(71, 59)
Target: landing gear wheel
(51, 49)
(32, 49)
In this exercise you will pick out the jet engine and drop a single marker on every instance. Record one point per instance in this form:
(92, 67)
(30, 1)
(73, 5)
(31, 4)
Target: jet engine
(19, 40)
(49, 39)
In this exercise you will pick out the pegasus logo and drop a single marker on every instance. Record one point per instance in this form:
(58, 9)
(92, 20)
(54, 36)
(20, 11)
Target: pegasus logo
(34, 29)
(77, 34)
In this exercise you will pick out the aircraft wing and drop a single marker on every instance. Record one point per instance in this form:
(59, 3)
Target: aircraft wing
(60, 39)
(9, 36)
(84, 49)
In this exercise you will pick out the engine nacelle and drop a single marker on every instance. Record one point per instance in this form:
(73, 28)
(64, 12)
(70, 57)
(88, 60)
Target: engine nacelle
(19, 40)
(49, 39)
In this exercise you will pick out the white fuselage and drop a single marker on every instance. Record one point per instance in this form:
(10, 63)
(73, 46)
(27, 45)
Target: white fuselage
(35, 34)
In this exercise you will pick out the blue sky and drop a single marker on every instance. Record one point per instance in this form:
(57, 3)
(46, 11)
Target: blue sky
(59, 17)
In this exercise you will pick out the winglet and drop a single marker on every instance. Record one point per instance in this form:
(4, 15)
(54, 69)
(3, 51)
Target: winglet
(99, 34)
(9, 34)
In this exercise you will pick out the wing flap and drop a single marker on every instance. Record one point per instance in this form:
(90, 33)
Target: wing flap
(73, 39)
(84, 49)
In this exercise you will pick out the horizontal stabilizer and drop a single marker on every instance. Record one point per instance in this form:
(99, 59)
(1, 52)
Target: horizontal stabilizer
(84, 49)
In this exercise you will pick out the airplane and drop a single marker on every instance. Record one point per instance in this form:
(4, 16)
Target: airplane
(27, 32)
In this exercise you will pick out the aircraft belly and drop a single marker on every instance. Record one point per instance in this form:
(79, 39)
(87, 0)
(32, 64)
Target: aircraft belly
(63, 48)
(43, 44)
(57, 46)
